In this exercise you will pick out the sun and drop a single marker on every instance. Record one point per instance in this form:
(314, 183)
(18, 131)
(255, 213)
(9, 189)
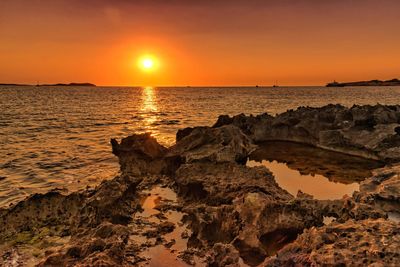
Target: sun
(147, 63)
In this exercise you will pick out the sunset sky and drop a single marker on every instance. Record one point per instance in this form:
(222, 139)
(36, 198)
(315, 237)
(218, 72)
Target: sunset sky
(199, 42)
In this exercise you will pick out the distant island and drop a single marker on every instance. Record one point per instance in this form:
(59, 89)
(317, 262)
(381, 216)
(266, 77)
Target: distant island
(393, 82)
(56, 84)
(13, 84)
(68, 84)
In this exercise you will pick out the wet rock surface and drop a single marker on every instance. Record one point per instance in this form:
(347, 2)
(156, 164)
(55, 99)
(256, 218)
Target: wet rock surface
(196, 203)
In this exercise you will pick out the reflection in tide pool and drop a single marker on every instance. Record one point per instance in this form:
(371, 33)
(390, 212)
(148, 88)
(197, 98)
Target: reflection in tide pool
(323, 174)
(317, 185)
(159, 255)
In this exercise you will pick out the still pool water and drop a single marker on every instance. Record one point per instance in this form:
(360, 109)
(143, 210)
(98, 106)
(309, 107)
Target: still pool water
(320, 173)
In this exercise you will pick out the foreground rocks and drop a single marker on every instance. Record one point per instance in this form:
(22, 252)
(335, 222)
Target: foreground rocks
(234, 214)
(353, 243)
(382, 189)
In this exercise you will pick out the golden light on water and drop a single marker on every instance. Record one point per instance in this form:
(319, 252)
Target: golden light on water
(149, 108)
(148, 100)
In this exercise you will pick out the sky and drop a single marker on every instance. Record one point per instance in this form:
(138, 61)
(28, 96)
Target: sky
(199, 43)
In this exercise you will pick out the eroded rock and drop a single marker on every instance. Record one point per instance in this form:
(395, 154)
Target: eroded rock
(224, 144)
(352, 243)
(216, 184)
(366, 131)
(245, 207)
(139, 154)
(382, 189)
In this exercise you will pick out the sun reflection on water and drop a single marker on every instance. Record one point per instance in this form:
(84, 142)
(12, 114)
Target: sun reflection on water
(149, 108)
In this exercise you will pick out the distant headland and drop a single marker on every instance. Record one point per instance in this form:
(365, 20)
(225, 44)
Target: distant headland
(14, 84)
(55, 84)
(68, 84)
(393, 82)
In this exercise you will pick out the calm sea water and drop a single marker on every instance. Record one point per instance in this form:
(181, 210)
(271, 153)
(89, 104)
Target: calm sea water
(59, 137)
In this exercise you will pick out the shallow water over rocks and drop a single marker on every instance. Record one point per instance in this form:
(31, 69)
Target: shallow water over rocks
(158, 209)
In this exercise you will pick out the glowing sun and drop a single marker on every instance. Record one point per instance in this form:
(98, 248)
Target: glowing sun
(147, 63)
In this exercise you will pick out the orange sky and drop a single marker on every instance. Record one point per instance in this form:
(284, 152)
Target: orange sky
(199, 42)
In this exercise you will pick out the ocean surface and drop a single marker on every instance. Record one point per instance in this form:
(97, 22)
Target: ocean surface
(58, 137)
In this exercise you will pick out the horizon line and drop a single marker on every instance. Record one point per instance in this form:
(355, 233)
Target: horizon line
(170, 86)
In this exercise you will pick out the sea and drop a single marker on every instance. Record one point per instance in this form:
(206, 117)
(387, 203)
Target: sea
(59, 137)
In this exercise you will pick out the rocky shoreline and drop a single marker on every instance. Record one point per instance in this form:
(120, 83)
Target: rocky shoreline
(229, 214)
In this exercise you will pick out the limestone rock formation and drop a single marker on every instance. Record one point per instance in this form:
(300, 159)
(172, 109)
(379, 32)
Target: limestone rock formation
(223, 144)
(139, 154)
(366, 131)
(352, 243)
(232, 204)
(382, 189)
(234, 213)
(217, 184)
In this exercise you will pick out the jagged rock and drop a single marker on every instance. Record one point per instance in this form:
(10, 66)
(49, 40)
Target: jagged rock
(101, 246)
(112, 201)
(224, 144)
(224, 255)
(83, 216)
(39, 210)
(366, 131)
(181, 133)
(382, 189)
(139, 154)
(268, 225)
(217, 184)
(225, 203)
(232, 204)
(352, 243)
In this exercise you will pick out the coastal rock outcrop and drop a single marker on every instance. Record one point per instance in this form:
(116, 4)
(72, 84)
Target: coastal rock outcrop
(352, 243)
(234, 214)
(139, 154)
(223, 144)
(245, 207)
(217, 184)
(366, 131)
(382, 189)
